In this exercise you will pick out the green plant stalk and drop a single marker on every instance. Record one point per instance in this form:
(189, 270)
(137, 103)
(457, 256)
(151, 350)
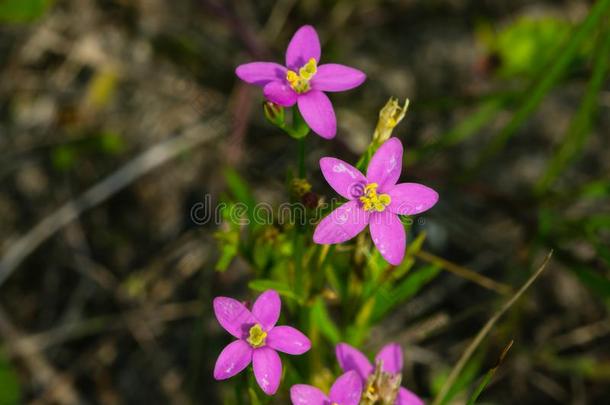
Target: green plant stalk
(580, 126)
(545, 82)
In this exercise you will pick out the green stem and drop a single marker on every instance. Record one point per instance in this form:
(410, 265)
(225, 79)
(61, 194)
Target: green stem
(301, 157)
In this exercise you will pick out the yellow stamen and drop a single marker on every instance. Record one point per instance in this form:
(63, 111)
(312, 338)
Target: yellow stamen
(371, 201)
(300, 81)
(257, 336)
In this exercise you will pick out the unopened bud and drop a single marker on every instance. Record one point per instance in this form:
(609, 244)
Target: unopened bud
(274, 113)
(389, 116)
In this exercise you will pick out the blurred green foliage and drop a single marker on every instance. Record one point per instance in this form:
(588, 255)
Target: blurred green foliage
(9, 383)
(23, 11)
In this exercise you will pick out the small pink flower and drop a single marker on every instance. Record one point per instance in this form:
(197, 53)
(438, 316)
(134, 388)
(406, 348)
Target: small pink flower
(375, 200)
(257, 339)
(303, 82)
(391, 360)
(346, 390)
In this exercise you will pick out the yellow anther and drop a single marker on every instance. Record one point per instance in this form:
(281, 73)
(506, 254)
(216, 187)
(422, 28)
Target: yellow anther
(257, 336)
(371, 201)
(300, 81)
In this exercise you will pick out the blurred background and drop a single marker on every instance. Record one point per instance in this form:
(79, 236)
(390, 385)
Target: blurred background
(117, 117)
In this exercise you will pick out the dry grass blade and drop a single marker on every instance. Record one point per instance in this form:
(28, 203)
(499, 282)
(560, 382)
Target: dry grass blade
(457, 369)
(465, 273)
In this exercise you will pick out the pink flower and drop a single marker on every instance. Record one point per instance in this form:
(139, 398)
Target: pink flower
(346, 390)
(257, 339)
(303, 82)
(382, 381)
(375, 200)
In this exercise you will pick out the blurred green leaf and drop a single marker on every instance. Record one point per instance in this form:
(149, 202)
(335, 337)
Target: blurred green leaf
(466, 377)
(388, 297)
(23, 11)
(548, 75)
(10, 391)
(321, 317)
(282, 288)
(111, 143)
(580, 126)
(63, 157)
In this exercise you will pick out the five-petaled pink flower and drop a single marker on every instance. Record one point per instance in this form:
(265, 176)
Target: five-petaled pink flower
(378, 382)
(303, 82)
(258, 339)
(374, 200)
(346, 390)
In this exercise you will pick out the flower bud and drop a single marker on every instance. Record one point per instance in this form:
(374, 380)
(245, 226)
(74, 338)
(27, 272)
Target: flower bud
(389, 116)
(274, 113)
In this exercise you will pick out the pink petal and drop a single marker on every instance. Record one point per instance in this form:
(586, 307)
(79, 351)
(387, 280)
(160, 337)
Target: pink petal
(233, 316)
(347, 389)
(303, 46)
(411, 198)
(260, 73)
(391, 356)
(280, 93)
(350, 358)
(302, 394)
(344, 178)
(386, 164)
(389, 236)
(342, 224)
(336, 77)
(233, 359)
(267, 369)
(266, 309)
(318, 113)
(406, 397)
(287, 339)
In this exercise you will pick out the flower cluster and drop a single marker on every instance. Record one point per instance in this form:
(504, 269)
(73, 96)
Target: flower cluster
(375, 200)
(259, 340)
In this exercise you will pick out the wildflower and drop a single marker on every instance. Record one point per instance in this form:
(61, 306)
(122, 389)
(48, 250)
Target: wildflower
(258, 339)
(303, 82)
(382, 382)
(346, 390)
(375, 200)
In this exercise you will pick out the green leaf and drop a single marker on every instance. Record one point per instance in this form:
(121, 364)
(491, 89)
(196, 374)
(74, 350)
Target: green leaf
(282, 288)
(23, 11)
(322, 319)
(10, 392)
(388, 297)
(580, 126)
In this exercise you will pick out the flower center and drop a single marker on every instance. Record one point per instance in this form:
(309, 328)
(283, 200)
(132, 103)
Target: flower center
(381, 387)
(257, 336)
(371, 201)
(300, 81)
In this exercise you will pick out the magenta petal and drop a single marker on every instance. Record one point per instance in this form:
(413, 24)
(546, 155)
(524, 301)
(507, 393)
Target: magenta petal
(342, 224)
(303, 46)
(233, 316)
(386, 164)
(233, 359)
(350, 358)
(411, 198)
(389, 236)
(391, 357)
(318, 113)
(344, 178)
(287, 339)
(406, 397)
(347, 389)
(266, 309)
(267, 369)
(280, 93)
(261, 73)
(302, 394)
(336, 77)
